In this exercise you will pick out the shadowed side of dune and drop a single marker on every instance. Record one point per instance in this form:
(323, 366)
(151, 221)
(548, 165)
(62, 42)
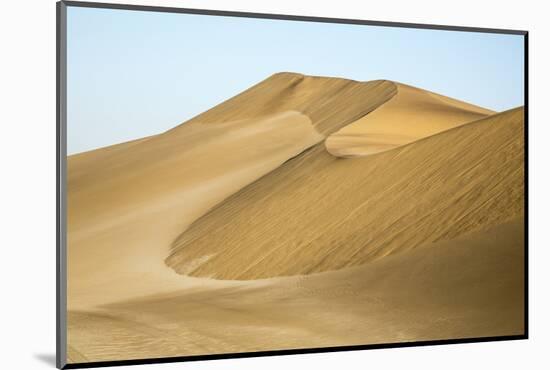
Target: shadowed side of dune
(464, 288)
(410, 115)
(318, 212)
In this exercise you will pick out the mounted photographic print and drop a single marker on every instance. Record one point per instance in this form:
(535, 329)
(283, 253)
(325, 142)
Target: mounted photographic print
(237, 184)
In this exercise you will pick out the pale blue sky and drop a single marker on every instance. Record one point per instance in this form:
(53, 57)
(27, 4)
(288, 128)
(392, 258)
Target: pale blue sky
(133, 74)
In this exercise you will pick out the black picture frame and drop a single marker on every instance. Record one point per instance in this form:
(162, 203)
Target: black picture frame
(61, 167)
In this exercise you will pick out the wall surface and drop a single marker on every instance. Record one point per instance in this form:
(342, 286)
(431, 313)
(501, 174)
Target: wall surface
(27, 189)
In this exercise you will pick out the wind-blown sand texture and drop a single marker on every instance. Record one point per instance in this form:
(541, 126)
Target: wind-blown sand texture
(294, 215)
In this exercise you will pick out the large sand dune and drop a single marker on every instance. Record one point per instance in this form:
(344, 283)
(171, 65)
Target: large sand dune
(313, 249)
(128, 202)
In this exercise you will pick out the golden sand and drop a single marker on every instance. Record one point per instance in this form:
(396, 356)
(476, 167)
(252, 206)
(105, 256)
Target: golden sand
(246, 229)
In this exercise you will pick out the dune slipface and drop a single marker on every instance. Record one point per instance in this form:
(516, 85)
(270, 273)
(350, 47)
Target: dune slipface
(294, 215)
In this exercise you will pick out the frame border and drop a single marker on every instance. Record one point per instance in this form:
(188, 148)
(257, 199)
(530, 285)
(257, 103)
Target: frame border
(61, 171)
(302, 18)
(61, 167)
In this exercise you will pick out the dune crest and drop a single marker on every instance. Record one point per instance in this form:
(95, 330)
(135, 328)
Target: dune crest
(331, 103)
(410, 115)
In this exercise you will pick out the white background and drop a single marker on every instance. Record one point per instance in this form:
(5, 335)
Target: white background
(27, 183)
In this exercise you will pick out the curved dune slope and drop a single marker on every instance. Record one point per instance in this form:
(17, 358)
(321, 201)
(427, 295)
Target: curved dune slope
(318, 212)
(124, 211)
(468, 287)
(410, 115)
(128, 202)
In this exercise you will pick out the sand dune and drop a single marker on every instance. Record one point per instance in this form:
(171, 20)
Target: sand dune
(318, 212)
(315, 249)
(467, 287)
(410, 115)
(128, 202)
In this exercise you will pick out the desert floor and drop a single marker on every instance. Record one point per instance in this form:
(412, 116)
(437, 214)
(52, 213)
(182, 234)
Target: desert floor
(304, 212)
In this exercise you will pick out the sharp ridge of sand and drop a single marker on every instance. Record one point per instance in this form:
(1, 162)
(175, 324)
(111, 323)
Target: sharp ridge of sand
(330, 102)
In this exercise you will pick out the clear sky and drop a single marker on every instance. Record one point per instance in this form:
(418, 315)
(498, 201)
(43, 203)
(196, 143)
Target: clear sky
(132, 74)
